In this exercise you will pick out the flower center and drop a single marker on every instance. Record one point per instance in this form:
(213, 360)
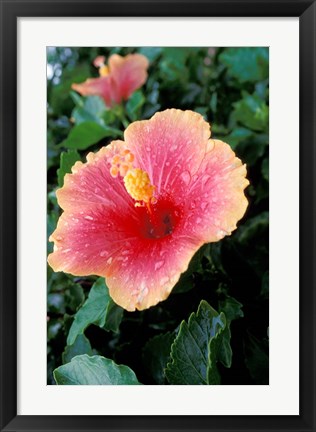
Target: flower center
(157, 218)
(161, 221)
(136, 181)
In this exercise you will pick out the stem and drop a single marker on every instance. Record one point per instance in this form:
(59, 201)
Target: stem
(124, 121)
(121, 116)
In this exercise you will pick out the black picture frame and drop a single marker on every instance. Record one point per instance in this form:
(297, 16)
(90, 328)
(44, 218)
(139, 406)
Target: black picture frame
(10, 11)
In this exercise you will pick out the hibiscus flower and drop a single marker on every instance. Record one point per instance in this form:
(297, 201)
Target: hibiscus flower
(118, 80)
(138, 210)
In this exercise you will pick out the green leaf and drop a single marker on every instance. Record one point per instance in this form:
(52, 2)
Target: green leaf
(225, 353)
(152, 53)
(134, 104)
(262, 89)
(56, 303)
(52, 219)
(231, 308)
(186, 281)
(91, 109)
(172, 65)
(252, 112)
(156, 354)
(253, 228)
(74, 296)
(99, 309)
(257, 358)
(52, 198)
(61, 94)
(213, 254)
(67, 161)
(213, 102)
(252, 148)
(80, 346)
(185, 284)
(264, 293)
(265, 169)
(78, 100)
(54, 327)
(95, 370)
(237, 136)
(85, 134)
(246, 63)
(195, 351)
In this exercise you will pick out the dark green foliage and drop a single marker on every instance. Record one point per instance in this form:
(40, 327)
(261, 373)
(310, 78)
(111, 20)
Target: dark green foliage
(156, 355)
(246, 64)
(213, 328)
(67, 160)
(257, 358)
(85, 134)
(99, 309)
(80, 346)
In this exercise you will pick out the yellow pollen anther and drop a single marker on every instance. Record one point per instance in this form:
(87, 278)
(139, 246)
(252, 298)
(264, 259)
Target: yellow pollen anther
(116, 159)
(129, 157)
(104, 71)
(124, 169)
(121, 163)
(114, 171)
(138, 185)
(125, 152)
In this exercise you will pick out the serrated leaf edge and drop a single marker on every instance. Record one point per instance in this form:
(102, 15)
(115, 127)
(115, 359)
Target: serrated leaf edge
(191, 317)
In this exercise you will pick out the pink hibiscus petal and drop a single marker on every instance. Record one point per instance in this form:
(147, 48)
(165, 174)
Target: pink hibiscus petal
(87, 241)
(146, 270)
(129, 72)
(215, 199)
(104, 87)
(169, 147)
(92, 183)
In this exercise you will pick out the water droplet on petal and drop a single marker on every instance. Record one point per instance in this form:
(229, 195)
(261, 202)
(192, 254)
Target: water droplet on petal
(185, 177)
(204, 205)
(164, 280)
(159, 264)
(103, 253)
(221, 234)
(206, 179)
(109, 261)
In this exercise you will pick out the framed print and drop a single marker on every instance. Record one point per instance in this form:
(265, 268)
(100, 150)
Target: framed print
(170, 150)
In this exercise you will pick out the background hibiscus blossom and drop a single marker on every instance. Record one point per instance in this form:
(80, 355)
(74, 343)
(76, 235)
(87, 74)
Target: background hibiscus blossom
(118, 79)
